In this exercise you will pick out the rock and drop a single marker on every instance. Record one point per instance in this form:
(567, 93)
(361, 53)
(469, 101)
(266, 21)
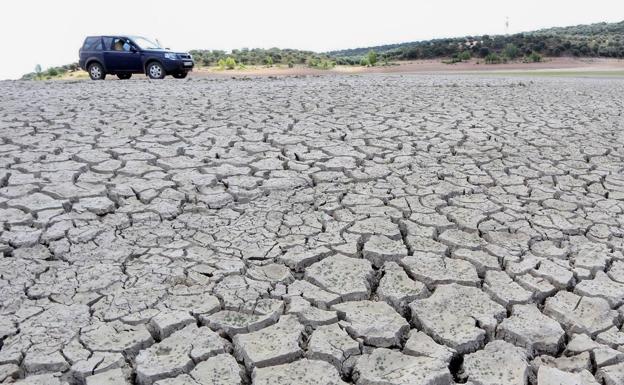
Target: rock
(41, 379)
(348, 277)
(605, 356)
(419, 344)
(602, 287)
(309, 315)
(611, 375)
(580, 314)
(580, 343)
(503, 290)
(481, 260)
(530, 329)
(461, 239)
(450, 313)
(234, 322)
(435, 270)
(332, 344)
(554, 376)
(380, 249)
(384, 366)
(168, 322)
(376, 226)
(273, 345)
(110, 377)
(301, 372)
(221, 369)
(177, 354)
(498, 363)
(375, 322)
(397, 289)
(116, 337)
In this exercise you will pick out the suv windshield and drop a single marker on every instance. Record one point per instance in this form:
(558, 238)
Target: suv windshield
(145, 43)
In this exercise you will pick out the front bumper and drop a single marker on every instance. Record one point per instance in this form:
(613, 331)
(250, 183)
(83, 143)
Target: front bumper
(178, 65)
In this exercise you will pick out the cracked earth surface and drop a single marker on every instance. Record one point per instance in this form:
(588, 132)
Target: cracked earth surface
(367, 230)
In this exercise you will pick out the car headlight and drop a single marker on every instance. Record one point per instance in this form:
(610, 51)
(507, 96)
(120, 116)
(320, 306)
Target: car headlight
(171, 56)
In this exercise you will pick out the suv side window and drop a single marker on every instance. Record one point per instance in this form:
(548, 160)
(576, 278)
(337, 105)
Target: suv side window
(120, 44)
(92, 44)
(108, 42)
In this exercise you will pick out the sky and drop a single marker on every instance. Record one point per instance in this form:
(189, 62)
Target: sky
(50, 33)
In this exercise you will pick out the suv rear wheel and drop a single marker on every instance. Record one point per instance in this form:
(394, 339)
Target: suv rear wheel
(179, 75)
(124, 76)
(96, 71)
(155, 70)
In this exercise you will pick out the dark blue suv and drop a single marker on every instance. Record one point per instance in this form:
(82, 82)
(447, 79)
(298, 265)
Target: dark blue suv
(127, 55)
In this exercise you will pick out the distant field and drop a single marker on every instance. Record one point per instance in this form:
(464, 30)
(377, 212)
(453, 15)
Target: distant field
(550, 67)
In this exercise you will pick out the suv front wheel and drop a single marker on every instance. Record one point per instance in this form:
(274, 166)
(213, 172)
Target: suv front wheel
(96, 71)
(155, 70)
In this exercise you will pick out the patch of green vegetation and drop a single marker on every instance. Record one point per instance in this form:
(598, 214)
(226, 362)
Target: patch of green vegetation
(593, 40)
(50, 73)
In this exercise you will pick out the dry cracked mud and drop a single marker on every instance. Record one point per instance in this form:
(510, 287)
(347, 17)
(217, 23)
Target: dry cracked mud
(368, 230)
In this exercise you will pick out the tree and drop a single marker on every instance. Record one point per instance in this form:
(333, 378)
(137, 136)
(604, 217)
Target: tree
(372, 57)
(38, 69)
(484, 51)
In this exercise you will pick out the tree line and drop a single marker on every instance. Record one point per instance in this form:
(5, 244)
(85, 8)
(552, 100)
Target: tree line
(593, 40)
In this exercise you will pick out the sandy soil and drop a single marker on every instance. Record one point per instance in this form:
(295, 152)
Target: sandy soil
(430, 66)
(419, 66)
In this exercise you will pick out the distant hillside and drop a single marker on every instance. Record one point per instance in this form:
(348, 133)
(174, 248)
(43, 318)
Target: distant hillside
(601, 39)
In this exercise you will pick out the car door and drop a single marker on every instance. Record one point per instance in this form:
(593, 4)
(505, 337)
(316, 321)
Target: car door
(122, 56)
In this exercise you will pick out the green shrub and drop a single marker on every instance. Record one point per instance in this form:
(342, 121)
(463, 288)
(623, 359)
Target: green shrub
(230, 63)
(466, 55)
(269, 61)
(534, 57)
(290, 64)
(52, 72)
(372, 57)
(221, 64)
(492, 58)
(364, 62)
(511, 51)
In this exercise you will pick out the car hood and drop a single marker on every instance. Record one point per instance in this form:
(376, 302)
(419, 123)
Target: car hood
(165, 50)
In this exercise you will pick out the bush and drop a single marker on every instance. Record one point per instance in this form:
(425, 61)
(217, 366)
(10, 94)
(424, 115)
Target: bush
(492, 59)
(372, 57)
(230, 63)
(53, 72)
(511, 51)
(221, 63)
(466, 55)
(364, 62)
(269, 61)
(534, 57)
(290, 64)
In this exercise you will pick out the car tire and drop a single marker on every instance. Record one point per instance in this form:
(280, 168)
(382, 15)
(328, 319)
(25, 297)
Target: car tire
(180, 75)
(155, 70)
(96, 71)
(124, 76)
